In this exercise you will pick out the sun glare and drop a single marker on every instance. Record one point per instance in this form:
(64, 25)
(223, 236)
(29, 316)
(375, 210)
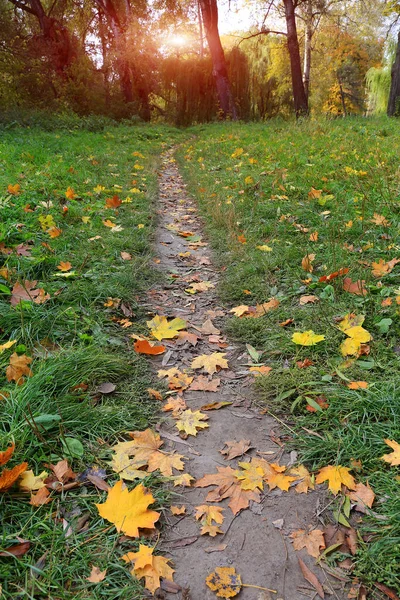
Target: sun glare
(177, 40)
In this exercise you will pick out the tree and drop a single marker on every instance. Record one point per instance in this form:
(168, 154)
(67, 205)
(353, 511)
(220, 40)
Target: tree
(209, 13)
(394, 94)
(299, 94)
(55, 38)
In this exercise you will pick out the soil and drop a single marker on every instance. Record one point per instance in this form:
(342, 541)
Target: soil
(256, 541)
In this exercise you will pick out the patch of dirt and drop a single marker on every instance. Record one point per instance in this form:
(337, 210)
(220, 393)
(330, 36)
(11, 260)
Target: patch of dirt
(255, 541)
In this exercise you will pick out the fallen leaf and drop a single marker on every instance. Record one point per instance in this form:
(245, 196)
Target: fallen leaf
(251, 476)
(126, 256)
(208, 328)
(176, 405)
(154, 394)
(380, 220)
(306, 479)
(178, 510)
(18, 368)
(151, 567)
(9, 476)
(113, 202)
(306, 263)
(363, 495)
(354, 287)
(307, 338)
(234, 449)
(190, 422)
(96, 575)
(308, 300)
(206, 515)
(211, 363)
(204, 384)
(184, 336)
(228, 486)
(313, 541)
(225, 582)
(41, 497)
(6, 455)
(263, 370)
(342, 271)
(144, 347)
(128, 510)
(215, 405)
(336, 477)
(311, 578)
(16, 550)
(304, 364)
(185, 480)
(393, 458)
(64, 266)
(357, 385)
(7, 345)
(28, 292)
(162, 329)
(217, 548)
(165, 462)
(382, 268)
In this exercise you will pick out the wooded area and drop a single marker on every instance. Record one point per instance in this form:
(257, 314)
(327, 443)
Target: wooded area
(167, 60)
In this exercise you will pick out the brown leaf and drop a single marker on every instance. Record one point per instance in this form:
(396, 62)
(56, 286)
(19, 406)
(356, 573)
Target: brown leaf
(28, 292)
(308, 300)
(16, 549)
(215, 405)
(234, 449)
(389, 593)
(184, 337)
(96, 575)
(313, 541)
(217, 548)
(62, 471)
(208, 328)
(42, 497)
(354, 287)
(311, 578)
(18, 367)
(98, 482)
(204, 384)
(363, 496)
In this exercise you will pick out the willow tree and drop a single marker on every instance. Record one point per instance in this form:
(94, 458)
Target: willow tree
(209, 14)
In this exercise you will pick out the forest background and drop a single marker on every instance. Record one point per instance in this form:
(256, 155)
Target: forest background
(166, 60)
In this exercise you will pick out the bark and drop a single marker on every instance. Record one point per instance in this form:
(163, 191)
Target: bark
(308, 34)
(209, 12)
(299, 94)
(201, 38)
(342, 96)
(394, 96)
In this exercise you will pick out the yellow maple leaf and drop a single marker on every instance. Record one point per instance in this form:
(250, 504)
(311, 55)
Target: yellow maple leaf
(351, 320)
(151, 567)
(162, 329)
(206, 515)
(306, 479)
(178, 510)
(210, 362)
(394, 457)
(64, 266)
(165, 462)
(131, 457)
(248, 180)
(238, 152)
(336, 477)
(185, 480)
(239, 311)
(46, 222)
(251, 477)
(128, 510)
(225, 582)
(190, 421)
(29, 482)
(307, 338)
(264, 248)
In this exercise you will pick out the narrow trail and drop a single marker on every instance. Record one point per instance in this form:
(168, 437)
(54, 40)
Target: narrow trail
(256, 541)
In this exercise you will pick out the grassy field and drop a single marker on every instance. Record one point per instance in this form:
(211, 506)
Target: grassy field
(286, 205)
(71, 202)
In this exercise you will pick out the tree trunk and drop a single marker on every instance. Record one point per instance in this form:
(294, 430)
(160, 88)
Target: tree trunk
(209, 12)
(299, 95)
(394, 96)
(106, 66)
(55, 41)
(201, 37)
(308, 34)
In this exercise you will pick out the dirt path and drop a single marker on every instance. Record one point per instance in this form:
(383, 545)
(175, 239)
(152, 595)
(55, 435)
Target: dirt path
(256, 541)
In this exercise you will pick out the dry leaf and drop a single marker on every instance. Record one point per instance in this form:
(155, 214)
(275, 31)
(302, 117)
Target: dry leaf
(6, 455)
(202, 383)
(313, 541)
(354, 287)
(206, 515)
(363, 496)
(336, 477)
(225, 582)
(215, 405)
(151, 567)
(96, 575)
(307, 338)
(311, 578)
(234, 449)
(211, 363)
(144, 347)
(128, 510)
(41, 497)
(306, 263)
(307, 481)
(190, 422)
(178, 510)
(228, 486)
(9, 476)
(393, 458)
(162, 329)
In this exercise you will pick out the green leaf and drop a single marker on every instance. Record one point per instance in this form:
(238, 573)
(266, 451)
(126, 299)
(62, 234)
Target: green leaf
(253, 353)
(314, 404)
(73, 447)
(4, 289)
(384, 325)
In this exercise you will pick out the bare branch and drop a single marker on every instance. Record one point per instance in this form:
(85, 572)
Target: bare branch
(262, 32)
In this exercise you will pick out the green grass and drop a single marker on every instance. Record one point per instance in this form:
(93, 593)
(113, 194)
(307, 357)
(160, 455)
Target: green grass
(74, 338)
(255, 181)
